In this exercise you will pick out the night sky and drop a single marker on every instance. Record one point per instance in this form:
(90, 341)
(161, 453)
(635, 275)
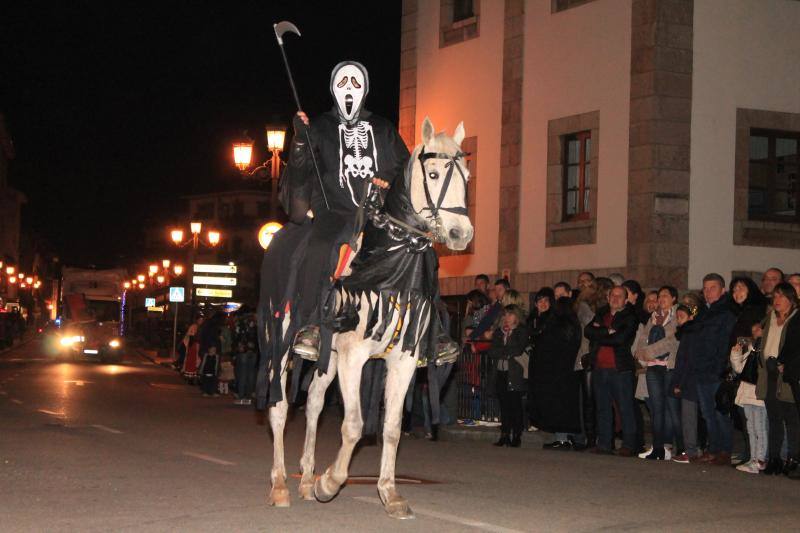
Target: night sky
(119, 108)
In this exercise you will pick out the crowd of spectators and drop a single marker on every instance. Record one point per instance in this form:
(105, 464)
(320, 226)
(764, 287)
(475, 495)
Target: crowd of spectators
(588, 363)
(220, 354)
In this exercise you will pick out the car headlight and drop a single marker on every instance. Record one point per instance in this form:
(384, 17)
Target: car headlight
(115, 343)
(71, 339)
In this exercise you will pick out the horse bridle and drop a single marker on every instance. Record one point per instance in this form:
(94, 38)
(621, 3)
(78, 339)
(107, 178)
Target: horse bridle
(434, 208)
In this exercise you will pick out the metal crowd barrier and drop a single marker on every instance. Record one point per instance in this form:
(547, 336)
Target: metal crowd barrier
(477, 400)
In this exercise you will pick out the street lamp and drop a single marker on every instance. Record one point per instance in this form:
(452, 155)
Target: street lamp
(178, 269)
(213, 238)
(242, 155)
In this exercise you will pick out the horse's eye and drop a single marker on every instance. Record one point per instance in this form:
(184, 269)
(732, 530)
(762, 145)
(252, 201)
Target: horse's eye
(434, 175)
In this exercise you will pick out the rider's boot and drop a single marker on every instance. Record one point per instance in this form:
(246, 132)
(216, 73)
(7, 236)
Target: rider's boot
(306, 343)
(447, 350)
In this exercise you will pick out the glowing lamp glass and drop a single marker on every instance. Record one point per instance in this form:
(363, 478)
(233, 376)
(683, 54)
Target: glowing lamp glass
(213, 238)
(178, 269)
(196, 227)
(160, 279)
(10, 270)
(29, 280)
(275, 139)
(242, 155)
(153, 269)
(165, 263)
(140, 278)
(176, 235)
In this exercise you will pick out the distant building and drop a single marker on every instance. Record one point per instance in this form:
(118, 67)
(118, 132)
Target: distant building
(656, 138)
(238, 214)
(11, 201)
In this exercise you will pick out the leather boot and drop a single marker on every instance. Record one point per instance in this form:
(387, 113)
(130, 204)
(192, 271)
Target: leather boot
(503, 441)
(516, 439)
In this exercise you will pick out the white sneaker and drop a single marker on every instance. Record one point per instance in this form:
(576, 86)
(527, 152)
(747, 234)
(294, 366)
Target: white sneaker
(750, 467)
(645, 453)
(667, 453)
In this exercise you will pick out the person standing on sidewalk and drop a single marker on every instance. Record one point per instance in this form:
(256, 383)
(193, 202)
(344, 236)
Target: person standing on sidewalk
(611, 335)
(710, 362)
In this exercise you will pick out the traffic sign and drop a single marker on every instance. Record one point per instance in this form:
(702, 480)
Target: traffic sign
(214, 280)
(216, 269)
(215, 293)
(176, 294)
(149, 302)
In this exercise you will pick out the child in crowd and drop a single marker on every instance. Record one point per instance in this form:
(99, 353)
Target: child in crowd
(209, 370)
(225, 374)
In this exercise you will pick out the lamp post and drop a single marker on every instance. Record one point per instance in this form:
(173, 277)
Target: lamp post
(196, 240)
(275, 137)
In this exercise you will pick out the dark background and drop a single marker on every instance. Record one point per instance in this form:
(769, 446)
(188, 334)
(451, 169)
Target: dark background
(117, 109)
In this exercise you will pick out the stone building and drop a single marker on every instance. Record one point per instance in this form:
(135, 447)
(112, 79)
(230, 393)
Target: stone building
(656, 138)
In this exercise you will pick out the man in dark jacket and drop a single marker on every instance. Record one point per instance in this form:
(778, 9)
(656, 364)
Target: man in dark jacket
(611, 334)
(710, 359)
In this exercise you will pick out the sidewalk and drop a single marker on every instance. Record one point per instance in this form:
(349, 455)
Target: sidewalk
(153, 356)
(489, 434)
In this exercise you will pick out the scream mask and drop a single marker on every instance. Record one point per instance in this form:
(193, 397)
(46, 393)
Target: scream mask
(349, 87)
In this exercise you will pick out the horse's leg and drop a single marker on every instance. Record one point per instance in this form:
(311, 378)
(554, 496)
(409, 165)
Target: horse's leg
(314, 405)
(400, 370)
(352, 356)
(279, 492)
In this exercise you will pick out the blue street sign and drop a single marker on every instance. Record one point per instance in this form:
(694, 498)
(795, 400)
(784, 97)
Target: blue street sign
(176, 294)
(149, 302)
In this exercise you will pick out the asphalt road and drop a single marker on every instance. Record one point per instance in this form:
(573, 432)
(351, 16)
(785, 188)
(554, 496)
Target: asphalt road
(89, 447)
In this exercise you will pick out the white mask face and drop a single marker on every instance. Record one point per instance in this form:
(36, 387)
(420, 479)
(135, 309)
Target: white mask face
(348, 90)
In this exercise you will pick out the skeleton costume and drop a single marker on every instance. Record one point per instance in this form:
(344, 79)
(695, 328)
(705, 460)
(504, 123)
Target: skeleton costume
(351, 146)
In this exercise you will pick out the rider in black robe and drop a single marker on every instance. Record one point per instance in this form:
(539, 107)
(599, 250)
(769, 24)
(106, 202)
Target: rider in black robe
(351, 147)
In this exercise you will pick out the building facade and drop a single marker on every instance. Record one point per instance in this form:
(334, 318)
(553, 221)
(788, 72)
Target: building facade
(655, 138)
(11, 201)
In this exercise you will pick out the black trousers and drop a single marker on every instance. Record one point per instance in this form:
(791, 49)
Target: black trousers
(510, 406)
(588, 413)
(779, 414)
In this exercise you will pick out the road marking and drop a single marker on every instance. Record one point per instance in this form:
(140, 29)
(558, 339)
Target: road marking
(484, 526)
(209, 458)
(106, 428)
(79, 383)
(45, 411)
(18, 402)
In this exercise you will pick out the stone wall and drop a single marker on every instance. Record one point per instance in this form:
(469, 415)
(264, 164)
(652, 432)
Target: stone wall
(511, 135)
(660, 134)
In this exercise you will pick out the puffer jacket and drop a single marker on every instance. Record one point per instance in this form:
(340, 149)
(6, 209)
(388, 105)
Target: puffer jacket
(714, 344)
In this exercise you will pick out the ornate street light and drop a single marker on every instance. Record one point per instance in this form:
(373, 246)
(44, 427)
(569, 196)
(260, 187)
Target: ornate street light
(242, 155)
(213, 238)
(178, 269)
(165, 263)
(177, 236)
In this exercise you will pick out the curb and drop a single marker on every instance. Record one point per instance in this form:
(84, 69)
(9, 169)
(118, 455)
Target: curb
(488, 434)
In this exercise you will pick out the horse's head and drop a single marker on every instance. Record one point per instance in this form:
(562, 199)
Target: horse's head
(437, 183)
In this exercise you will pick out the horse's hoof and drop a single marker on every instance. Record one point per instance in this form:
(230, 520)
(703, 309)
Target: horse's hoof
(399, 509)
(279, 497)
(324, 493)
(306, 491)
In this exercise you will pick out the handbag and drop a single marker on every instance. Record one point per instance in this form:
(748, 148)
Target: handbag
(749, 372)
(725, 397)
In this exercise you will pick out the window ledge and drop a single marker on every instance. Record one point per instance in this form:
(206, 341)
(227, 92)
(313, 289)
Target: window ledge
(572, 224)
(771, 225)
(463, 22)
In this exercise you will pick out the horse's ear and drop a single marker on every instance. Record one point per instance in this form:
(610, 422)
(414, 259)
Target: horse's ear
(427, 131)
(458, 136)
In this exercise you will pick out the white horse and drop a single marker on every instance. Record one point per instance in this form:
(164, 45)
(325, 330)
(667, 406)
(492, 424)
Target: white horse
(391, 316)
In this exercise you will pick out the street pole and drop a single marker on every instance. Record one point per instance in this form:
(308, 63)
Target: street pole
(175, 332)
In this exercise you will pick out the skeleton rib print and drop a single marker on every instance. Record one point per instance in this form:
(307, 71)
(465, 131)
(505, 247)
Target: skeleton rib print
(354, 144)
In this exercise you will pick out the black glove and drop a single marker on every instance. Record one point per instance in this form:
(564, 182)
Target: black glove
(300, 129)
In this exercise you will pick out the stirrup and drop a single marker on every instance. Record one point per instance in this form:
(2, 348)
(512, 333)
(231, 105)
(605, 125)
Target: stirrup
(447, 352)
(306, 343)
